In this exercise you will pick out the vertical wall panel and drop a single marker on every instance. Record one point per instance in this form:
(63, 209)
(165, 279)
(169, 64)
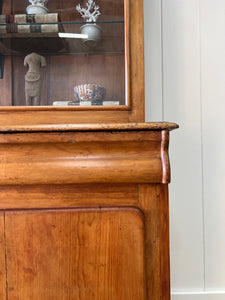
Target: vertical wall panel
(181, 77)
(193, 46)
(153, 60)
(213, 98)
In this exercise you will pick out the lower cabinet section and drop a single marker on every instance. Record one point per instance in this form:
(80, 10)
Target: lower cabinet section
(84, 212)
(88, 253)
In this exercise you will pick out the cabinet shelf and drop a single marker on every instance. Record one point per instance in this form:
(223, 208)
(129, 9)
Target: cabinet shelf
(20, 43)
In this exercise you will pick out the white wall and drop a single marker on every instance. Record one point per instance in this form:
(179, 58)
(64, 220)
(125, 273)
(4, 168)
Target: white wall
(185, 83)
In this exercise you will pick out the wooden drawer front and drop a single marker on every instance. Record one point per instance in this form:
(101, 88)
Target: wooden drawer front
(83, 158)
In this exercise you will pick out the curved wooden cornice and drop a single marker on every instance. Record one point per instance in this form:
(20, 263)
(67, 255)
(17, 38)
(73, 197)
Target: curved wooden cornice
(106, 156)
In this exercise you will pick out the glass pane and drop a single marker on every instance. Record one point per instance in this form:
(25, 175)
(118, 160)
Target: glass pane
(60, 57)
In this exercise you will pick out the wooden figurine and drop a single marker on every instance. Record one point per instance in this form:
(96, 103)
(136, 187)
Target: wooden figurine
(34, 62)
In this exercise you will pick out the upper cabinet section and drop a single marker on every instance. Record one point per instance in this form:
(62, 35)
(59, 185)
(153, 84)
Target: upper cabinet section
(71, 61)
(72, 27)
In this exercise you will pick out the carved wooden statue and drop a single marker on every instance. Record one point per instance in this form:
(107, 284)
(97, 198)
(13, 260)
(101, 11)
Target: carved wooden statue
(34, 62)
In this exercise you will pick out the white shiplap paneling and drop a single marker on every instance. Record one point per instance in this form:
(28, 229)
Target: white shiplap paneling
(213, 106)
(190, 70)
(181, 84)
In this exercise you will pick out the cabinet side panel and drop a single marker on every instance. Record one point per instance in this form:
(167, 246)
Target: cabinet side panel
(153, 200)
(78, 254)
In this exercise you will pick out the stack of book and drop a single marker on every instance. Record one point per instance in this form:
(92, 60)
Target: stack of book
(22, 23)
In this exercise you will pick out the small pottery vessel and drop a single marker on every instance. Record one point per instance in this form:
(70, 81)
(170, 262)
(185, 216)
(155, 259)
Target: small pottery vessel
(94, 34)
(36, 9)
(89, 92)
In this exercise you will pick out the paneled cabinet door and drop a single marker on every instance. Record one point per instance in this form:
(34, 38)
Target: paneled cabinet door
(87, 253)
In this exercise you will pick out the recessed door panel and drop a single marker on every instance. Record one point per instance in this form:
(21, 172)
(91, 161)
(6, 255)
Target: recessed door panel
(80, 254)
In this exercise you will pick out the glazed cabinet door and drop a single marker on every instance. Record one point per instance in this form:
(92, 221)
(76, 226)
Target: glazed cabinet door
(81, 254)
(77, 62)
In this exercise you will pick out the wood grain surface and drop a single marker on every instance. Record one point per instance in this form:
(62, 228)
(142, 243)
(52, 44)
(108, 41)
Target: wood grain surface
(165, 157)
(82, 157)
(75, 254)
(70, 195)
(148, 126)
(153, 202)
(3, 266)
(86, 214)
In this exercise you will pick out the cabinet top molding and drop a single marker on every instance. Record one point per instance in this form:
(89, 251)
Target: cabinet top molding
(90, 127)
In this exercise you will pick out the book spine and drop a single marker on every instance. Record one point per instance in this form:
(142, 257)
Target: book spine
(2, 19)
(49, 28)
(3, 24)
(35, 28)
(3, 29)
(28, 28)
(42, 28)
(11, 28)
(10, 18)
(46, 18)
(30, 19)
(23, 18)
(20, 18)
(8, 23)
(23, 28)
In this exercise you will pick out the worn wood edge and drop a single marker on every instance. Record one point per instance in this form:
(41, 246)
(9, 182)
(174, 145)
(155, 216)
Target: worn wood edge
(165, 156)
(127, 54)
(89, 127)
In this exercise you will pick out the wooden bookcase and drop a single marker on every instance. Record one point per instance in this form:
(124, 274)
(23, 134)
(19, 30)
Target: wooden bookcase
(83, 189)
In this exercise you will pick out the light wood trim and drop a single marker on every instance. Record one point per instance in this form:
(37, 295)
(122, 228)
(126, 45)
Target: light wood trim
(90, 127)
(67, 196)
(137, 60)
(94, 108)
(127, 52)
